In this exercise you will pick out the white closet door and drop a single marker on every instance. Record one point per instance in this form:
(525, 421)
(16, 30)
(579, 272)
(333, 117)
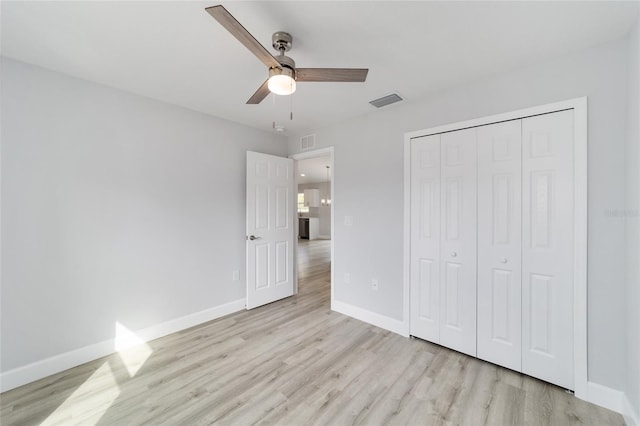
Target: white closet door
(458, 240)
(425, 238)
(499, 243)
(547, 257)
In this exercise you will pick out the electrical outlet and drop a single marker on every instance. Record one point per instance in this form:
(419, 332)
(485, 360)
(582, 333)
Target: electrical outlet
(347, 278)
(374, 284)
(235, 275)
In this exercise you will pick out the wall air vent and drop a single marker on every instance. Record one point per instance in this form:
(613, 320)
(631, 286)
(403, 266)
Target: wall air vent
(307, 142)
(386, 100)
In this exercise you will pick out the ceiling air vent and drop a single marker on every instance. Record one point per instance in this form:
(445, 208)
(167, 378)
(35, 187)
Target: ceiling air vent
(386, 100)
(308, 142)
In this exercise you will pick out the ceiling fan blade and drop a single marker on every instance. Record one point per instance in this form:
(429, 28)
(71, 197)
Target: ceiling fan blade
(260, 94)
(332, 74)
(236, 29)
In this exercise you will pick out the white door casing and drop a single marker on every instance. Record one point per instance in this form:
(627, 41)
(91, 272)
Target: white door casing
(458, 240)
(499, 243)
(425, 240)
(547, 256)
(270, 220)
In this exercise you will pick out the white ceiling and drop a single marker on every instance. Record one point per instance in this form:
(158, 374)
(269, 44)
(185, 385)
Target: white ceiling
(175, 52)
(314, 170)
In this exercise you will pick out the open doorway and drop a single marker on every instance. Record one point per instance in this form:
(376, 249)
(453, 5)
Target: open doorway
(314, 211)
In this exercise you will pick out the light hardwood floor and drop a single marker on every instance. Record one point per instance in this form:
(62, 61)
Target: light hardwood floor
(294, 362)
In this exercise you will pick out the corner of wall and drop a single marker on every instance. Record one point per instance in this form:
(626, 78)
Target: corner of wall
(373, 318)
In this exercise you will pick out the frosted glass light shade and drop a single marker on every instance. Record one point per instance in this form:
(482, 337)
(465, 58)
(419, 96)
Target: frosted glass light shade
(281, 81)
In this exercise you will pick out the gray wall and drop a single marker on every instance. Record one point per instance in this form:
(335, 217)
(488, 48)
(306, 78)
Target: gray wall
(114, 208)
(633, 223)
(369, 185)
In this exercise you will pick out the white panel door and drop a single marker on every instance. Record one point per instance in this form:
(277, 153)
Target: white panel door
(458, 240)
(270, 228)
(547, 256)
(499, 243)
(425, 238)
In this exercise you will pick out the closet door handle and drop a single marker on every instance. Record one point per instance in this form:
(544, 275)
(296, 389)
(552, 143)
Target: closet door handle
(454, 254)
(503, 260)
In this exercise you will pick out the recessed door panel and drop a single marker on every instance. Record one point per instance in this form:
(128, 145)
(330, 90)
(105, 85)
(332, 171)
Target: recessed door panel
(261, 206)
(540, 291)
(428, 307)
(547, 250)
(501, 312)
(262, 266)
(540, 208)
(425, 240)
(499, 243)
(452, 207)
(502, 209)
(282, 207)
(458, 241)
(453, 295)
(428, 202)
(282, 262)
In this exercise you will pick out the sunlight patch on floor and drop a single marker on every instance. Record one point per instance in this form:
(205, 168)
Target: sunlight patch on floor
(132, 349)
(88, 403)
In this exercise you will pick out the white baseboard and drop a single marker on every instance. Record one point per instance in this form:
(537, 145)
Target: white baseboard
(631, 416)
(372, 318)
(324, 237)
(614, 400)
(604, 396)
(55, 364)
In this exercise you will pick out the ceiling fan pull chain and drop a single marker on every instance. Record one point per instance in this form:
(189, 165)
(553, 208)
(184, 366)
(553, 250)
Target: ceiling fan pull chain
(291, 107)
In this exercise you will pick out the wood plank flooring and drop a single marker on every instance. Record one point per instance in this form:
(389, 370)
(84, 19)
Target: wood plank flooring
(294, 362)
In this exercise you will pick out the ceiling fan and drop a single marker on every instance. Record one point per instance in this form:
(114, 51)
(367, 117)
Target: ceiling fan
(283, 73)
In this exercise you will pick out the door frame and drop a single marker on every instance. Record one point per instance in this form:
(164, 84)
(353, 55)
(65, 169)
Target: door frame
(579, 107)
(322, 152)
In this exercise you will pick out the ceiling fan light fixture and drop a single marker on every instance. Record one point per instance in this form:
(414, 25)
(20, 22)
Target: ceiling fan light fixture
(282, 81)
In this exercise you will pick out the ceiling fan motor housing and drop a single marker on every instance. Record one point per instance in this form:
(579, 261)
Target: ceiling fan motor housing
(282, 41)
(286, 62)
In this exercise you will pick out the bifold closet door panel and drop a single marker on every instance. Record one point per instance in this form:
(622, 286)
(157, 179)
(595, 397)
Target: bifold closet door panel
(458, 240)
(425, 238)
(547, 250)
(499, 243)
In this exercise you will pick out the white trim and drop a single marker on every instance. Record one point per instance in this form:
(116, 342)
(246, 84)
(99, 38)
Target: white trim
(580, 208)
(605, 397)
(324, 237)
(312, 154)
(373, 318)
(579, 105)
(406, 258)
(37, 370)
(631, 417)
(512, 115)
(303, 156)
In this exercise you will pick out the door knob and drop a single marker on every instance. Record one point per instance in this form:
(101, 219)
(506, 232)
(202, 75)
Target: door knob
(454, 254)
(503, 260)
(253, 237)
